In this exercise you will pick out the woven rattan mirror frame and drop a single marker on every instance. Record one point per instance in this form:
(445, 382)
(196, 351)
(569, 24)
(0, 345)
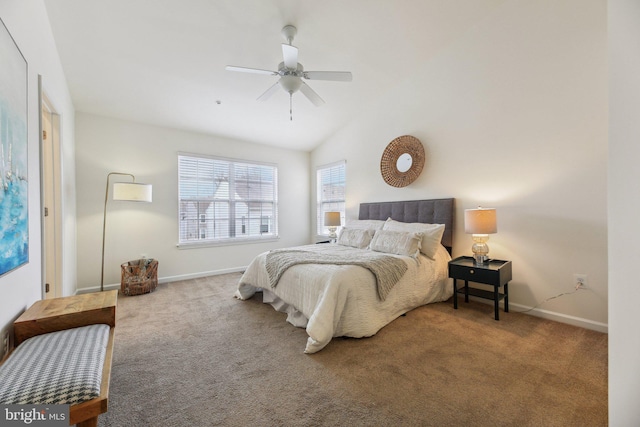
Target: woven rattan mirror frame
(405, 144)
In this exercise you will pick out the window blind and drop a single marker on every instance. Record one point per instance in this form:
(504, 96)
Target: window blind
(224, 200)
(331, 182)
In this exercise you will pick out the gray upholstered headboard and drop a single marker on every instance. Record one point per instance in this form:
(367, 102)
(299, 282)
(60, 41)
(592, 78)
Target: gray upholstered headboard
(434, 211)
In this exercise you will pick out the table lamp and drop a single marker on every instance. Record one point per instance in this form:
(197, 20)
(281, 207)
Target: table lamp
(332, 221)
(480, 223)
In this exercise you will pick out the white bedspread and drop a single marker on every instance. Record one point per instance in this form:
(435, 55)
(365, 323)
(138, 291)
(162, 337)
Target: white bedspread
(341, 300)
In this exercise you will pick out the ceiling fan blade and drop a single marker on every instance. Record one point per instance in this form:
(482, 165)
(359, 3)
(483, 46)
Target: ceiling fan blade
(250, 70)
(311, 95)
(290, 55)
(337, 76)
(269, 92)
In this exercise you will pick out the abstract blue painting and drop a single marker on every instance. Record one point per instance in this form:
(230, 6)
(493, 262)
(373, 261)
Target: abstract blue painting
(14, 186)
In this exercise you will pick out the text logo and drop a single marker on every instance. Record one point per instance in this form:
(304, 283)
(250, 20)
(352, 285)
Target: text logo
(34, 415)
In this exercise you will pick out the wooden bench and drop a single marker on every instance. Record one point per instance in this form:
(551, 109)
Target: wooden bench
(57, 314)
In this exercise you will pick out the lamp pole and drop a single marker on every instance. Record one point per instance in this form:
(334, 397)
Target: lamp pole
(104, 221)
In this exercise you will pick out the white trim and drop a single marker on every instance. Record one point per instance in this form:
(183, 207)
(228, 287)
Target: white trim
(189, 276)
(546, 314)
(332, 164)
(196, 244)
(563, 318)
(227, 159)
(169, 279)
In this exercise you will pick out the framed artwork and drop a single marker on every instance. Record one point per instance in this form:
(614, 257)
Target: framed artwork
(14, 185)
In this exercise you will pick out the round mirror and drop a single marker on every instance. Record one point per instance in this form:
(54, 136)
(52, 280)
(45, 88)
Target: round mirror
(404, 162)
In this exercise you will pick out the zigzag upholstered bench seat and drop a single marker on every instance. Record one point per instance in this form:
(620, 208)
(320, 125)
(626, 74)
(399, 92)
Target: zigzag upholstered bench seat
(63, 367)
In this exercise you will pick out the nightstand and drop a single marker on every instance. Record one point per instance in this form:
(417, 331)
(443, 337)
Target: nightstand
(494, 272)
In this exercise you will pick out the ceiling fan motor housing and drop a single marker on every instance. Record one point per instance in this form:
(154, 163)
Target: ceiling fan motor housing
(289, 32)
(284, 71)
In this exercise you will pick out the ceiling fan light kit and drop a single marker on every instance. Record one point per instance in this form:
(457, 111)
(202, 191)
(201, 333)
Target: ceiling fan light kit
(291, 73)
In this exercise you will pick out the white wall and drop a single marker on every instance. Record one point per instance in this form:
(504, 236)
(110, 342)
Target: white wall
(28, 23)
(624, 201)
(105, 145)
(512, 115)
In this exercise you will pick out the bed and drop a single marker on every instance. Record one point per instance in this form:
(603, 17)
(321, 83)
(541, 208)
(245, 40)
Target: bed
(351, 289)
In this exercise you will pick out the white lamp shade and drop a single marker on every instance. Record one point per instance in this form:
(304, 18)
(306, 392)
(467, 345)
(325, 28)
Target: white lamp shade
(480, 221)
(132, 192)
(332, 219)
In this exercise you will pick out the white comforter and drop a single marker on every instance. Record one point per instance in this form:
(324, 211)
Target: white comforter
(341, 300)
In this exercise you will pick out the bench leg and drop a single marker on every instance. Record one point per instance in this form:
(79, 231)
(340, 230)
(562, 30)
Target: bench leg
(91, 422)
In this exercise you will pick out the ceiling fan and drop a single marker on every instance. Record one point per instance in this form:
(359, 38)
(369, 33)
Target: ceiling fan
(291, 73)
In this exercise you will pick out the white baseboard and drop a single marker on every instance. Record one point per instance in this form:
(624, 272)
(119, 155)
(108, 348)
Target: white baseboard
(170, 279)
(167, 279)
(551, 315)
(563, 318)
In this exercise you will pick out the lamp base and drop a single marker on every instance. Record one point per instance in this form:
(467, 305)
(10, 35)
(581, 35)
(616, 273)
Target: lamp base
(333, 237)
(480, 248)
(481, 259)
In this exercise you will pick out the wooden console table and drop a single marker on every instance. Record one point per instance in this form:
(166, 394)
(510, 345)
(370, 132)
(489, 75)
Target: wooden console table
(56, 314)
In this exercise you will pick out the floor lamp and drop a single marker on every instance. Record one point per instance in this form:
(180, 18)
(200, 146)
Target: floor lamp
(127, 191)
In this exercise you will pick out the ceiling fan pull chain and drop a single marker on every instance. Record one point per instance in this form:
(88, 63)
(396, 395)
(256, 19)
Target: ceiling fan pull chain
(290, 106)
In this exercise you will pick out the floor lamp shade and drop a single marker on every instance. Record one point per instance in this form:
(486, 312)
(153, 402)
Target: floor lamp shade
(132, 192)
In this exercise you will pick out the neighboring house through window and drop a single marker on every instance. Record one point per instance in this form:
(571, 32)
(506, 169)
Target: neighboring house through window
(331, 182)
(226, 200)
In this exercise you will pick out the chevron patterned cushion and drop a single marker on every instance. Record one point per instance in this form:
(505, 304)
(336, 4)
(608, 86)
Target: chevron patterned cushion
(63, 367)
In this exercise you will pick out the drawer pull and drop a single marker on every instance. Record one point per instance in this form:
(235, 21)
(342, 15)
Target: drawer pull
(471, 271)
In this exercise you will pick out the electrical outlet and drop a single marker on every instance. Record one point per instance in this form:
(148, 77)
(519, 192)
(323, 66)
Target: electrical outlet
(580, 281)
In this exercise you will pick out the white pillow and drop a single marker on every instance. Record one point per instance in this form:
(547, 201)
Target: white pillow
(431, 234)
(368, 224)
(356, 238)
(396, 242)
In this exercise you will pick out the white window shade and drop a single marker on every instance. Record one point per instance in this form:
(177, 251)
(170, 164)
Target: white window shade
(331, 184)
(230, 200)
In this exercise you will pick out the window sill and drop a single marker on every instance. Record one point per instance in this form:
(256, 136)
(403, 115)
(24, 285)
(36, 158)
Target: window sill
(228, 242)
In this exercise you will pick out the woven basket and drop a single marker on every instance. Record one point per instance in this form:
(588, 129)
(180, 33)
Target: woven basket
(139, 276)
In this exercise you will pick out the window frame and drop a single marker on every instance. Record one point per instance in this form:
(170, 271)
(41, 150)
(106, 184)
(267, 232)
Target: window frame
(230, 221)
(321, 230)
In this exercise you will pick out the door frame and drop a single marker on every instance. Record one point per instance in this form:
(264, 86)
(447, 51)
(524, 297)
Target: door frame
(50, 196)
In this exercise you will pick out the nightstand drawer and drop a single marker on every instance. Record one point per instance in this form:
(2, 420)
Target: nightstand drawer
(478, 275)
(494, 272)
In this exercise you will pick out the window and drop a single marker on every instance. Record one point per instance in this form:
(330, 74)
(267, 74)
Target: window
(224, 200)
(331, 183)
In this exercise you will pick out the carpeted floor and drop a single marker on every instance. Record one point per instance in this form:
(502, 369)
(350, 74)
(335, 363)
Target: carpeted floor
(190, 354)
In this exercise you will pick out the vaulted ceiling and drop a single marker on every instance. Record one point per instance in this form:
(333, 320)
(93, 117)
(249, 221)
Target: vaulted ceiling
(162, 62)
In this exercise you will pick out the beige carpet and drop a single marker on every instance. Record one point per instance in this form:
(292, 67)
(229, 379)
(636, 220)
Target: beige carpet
(191, 355)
